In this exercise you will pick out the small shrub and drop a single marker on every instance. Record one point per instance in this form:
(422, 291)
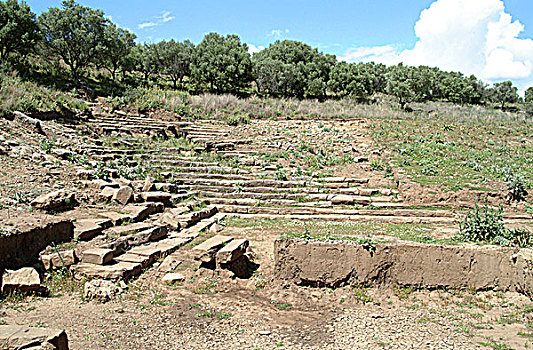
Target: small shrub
(361, 295)
(482, 224)
(517, 187)
(376, 165)
(485, 224)
(47, 145)
(234, 120)
(280, 175)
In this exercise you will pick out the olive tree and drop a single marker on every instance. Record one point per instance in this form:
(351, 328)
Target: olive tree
(292, 69)
(18, 29)
(73, 33)
(222, 62)
(174, 59)
(116, 46)
(504, 92)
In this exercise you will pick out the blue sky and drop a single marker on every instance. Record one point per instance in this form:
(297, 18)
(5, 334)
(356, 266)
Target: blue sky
(379, 30)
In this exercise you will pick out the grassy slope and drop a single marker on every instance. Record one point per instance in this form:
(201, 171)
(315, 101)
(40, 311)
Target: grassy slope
(459, 152)
(28, 97)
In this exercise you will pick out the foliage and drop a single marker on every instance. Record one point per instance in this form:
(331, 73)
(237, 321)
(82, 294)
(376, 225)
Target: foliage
(238, 119)
(459, 152)
(504, 92)
(292, 69)
(116, 47)
(485, 224)
(357, 79)
(222, 62)
(174, 59)
(400, 84)
(74, 33)
(28, 97)
(528, 101)
(517, 186)
(529, 95)
(482, 224)
(144, 99)
(18, 29)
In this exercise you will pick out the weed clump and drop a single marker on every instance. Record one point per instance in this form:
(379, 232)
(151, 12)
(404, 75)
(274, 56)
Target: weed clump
(485, 224)
(517, 186)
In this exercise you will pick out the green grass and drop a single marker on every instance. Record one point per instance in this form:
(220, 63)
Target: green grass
(61, 281)
(281, 306)
(459, 152)
(347, 231)
(208, 288)
(19, 95)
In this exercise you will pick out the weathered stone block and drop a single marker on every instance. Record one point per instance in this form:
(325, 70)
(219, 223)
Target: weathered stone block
(206, 251)
(59, 260)
(23, 280)
(20, 337)
(97, 256)
(232, 251)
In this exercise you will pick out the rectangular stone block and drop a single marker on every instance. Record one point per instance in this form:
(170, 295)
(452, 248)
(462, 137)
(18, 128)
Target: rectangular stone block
(97, 256)
(59, 260)
(232, 251)
(206, 251)
(20, 337)
(23, 280)
(119, 271)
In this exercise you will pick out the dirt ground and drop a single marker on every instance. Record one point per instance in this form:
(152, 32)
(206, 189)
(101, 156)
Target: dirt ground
(212, 311)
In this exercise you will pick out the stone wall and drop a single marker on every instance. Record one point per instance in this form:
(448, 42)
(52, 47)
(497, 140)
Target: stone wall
(337, 263)
(19, 249)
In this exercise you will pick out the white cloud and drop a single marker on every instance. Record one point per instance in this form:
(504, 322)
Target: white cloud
(472, 36)
(166, 16)
(254, 49)
(384, 54)
(278, 33)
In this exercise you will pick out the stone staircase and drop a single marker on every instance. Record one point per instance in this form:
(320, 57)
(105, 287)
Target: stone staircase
(120, 245)
(229, 167)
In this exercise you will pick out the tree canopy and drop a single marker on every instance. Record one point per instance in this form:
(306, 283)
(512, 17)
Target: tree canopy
(293, 69)
(74, 33)
(115, 48)
(174, 59)
(18, 29)
(82, 40)
(222, 62)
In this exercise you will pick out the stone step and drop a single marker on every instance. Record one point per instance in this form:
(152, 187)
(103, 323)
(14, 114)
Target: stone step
(128, 229)
(104, 151)
(118, 271)
(244, 183)
(206, 251)
(193, 129)
(113, 126)
(21, 337)
(202, 169)
(87, 229)
(194, 217)
(232, 251)
(342, 179)
(98, 256)
(176, 162)
(193, 231)
(58, 260)
(124, 243)
(132, 213)
(156, 196)
(331, 211)
(199, 175)
(354, 218)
